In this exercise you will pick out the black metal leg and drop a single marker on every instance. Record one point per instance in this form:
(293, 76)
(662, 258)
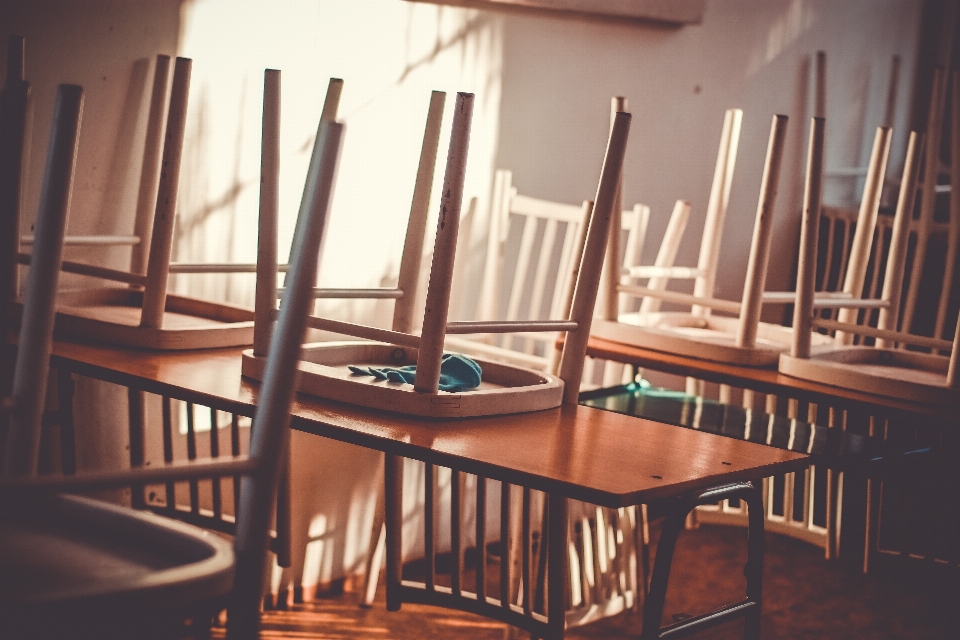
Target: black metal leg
(754, 569)
(137, 447)
(556, 540)
(68, 447)
(749, 608)
(653, 605)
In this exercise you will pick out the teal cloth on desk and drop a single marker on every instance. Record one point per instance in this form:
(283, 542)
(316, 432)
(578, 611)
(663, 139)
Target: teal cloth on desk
(457, 373)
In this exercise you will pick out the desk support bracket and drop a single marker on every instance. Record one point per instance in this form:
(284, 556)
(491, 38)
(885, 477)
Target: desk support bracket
(749, 608)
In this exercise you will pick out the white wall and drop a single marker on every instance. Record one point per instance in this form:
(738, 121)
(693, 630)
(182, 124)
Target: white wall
(559, 75)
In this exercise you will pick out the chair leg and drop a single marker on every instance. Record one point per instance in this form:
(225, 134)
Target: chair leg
(375, 551)
(137, 439)
(749, 608)
(284, 514)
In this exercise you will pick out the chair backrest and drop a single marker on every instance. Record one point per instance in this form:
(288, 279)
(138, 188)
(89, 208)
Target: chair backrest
(704, 274)
(533, 252)
(524, 278)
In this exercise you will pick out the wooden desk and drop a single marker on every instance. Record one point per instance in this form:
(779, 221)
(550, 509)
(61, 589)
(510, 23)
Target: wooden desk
(765, 381)
(583, 453)
(570, 452)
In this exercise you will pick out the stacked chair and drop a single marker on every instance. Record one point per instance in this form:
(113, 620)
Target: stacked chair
(505, 388)
(151, 573)
(138, 311)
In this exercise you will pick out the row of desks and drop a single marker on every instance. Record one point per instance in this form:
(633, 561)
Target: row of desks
(768, 381)
(577, 452)
(574, 451)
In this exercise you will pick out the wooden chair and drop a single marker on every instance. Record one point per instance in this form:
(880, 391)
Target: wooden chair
(663, 270)
(744, 339)
(141, 313)
(532, 248)
(506, 389)
(524, 615)
(539, 240)
(882, 369)
(151, 573)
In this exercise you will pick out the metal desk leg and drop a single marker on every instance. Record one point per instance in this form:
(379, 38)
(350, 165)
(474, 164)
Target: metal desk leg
(749, 608)
(393, 519)
(68, 446)
(557, 574)
(135, 402)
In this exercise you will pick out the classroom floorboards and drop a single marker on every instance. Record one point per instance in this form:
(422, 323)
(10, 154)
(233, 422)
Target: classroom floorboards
(804, 597)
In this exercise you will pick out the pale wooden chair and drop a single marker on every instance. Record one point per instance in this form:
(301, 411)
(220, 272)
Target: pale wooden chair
(882, 368)
(743, 339)
(140, 312)
(663, 270)
(505, 389)
(67, 535)
(532, 250)
(527, 614)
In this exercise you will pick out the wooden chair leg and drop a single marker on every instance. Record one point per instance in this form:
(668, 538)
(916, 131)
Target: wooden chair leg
(375, 552)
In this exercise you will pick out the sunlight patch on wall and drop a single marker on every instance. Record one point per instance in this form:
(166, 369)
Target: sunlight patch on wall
(797, 18)
(391, 54)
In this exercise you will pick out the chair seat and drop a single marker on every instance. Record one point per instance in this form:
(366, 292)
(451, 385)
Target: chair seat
(66, 557)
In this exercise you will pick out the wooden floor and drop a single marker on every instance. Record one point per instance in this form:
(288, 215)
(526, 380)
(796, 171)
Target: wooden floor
(804, 597)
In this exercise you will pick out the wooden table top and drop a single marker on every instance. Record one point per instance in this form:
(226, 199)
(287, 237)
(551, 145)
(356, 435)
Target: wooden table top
(579, 452)
(763, 380)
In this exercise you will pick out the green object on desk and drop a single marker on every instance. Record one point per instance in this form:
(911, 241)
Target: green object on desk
(457, 373)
